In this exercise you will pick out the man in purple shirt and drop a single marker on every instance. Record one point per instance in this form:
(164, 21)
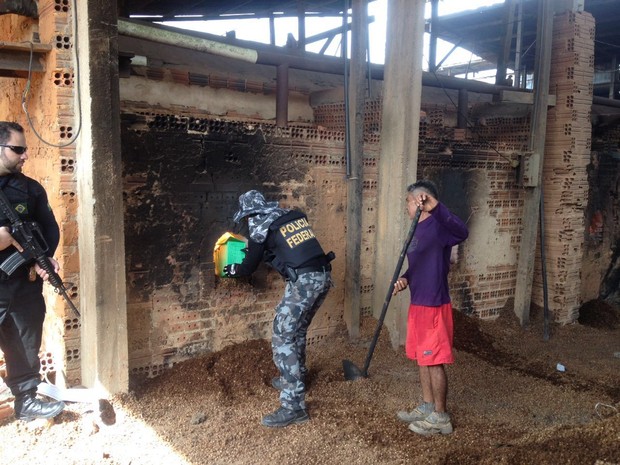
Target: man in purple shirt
(430, 325)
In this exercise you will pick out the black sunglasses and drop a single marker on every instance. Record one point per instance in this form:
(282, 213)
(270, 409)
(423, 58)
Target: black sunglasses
(18, 149)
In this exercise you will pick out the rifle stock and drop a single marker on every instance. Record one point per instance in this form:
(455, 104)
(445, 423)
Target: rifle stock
(30, 237)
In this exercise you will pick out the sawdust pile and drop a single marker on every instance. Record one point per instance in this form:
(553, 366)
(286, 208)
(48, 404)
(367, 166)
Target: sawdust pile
(509, 405)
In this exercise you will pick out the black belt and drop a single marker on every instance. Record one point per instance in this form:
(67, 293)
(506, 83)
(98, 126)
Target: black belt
(311, 269)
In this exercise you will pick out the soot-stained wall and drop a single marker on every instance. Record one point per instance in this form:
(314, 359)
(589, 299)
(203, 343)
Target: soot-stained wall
(601, 270)
(183, 176)
(184, 168)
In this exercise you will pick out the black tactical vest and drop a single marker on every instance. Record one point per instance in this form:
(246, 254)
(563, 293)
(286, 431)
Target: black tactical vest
(294, 242)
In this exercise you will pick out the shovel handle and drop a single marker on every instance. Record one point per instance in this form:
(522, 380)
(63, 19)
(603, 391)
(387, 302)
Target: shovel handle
(388, 297)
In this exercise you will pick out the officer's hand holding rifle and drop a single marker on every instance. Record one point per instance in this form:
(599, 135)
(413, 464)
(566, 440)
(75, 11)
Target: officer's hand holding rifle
(6, 240)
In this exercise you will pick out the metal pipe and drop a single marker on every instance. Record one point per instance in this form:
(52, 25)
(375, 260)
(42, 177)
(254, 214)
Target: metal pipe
(519, 44)
(502, 57)
(367, 32)
(166, 36)
(612, 77)
(265, 55)
(454, 47)
(463, 108)
(432, 52)
(282, 96)
(347, 119)
(354, 182)
(604, 101)
(272, 30)
(301, 25)
(449, 82)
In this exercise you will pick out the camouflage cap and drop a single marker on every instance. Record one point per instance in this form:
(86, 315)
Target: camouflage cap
(251, 203)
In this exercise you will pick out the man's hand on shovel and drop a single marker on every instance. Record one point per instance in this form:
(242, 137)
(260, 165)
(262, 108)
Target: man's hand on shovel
(400, 285)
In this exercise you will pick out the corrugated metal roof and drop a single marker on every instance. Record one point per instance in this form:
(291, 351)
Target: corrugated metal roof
(482, 31)
(218, 9)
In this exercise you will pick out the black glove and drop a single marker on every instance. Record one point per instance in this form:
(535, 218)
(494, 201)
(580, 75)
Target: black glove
(230, 271)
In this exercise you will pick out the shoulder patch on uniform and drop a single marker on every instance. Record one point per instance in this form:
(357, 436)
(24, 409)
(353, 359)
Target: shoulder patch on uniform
(21, 208)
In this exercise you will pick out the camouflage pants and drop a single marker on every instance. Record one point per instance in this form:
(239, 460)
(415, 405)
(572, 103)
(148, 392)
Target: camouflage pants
(294, 314)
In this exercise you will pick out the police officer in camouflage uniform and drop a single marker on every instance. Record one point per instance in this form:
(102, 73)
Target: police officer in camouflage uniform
(283, 238)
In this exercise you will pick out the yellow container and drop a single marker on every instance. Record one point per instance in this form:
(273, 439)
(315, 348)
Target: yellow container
(229, 249)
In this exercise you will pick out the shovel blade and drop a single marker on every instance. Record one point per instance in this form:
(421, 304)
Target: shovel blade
(351, 371)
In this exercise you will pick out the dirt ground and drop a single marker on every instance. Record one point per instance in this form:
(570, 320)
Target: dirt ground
(509, 404)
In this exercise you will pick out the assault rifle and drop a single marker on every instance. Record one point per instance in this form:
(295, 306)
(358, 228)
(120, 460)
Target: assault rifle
(30, 237)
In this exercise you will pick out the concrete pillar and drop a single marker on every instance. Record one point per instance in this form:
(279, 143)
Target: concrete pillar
(100, 211)
(399, 150)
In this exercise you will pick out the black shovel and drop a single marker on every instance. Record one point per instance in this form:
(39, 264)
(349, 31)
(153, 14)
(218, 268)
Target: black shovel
(352, 372)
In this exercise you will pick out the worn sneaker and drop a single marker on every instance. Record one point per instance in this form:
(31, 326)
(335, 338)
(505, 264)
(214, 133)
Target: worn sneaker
(435, 423)
(284, 417)
(418, 413)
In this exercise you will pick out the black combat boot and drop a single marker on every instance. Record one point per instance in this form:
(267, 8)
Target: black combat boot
(284, 417)
(27, 407)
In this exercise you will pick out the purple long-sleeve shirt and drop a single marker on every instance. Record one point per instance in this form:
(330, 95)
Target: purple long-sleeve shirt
(429, 256)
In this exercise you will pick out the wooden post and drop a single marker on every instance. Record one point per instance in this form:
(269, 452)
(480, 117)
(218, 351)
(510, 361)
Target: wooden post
(103, 298)
(357, 101)
(399, 150)
(531, 209)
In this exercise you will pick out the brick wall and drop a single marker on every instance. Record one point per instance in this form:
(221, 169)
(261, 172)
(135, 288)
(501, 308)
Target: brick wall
(477, 181)
(53, 116)
(184, 168)
(567, 154)
(183, 174)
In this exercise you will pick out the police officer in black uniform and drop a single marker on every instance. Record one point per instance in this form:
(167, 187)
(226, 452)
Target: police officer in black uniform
(22, 308)
(284, 239)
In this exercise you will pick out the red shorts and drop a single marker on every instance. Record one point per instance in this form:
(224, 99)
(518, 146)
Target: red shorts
(430, 332)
